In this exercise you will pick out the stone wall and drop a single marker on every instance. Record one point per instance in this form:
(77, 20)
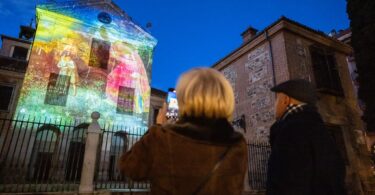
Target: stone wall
(298, 57)
(251, 78)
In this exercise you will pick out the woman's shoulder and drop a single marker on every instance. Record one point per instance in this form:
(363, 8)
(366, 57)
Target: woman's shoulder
(156, 130)
(208, 134)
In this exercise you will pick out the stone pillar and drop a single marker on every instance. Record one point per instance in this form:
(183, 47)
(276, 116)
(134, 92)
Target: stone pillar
(89, 160)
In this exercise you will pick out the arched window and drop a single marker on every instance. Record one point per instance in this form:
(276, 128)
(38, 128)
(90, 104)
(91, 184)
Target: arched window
(119, 145)
(45, 146)
(76, 153)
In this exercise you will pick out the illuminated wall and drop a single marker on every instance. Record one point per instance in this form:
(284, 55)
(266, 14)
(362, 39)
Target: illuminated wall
(88, 57)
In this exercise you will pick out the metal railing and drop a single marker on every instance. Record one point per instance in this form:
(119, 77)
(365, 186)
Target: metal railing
(41, 155)
(258, 159)
(115, 141)
(37, 154)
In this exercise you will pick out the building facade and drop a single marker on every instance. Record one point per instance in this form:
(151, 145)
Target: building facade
(288, 50)
(83, 57)
(345, 36)
(158, 97)
(14, 55)
(88, 56)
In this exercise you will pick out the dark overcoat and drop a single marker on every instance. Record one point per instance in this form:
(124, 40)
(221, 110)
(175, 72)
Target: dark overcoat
(304, 158)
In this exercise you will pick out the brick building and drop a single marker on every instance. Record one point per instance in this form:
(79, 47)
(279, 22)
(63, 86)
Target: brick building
(287, 50)
(14, 55)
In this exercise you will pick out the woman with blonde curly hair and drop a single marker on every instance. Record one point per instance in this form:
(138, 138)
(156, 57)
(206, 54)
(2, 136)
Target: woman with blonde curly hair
(200, 153)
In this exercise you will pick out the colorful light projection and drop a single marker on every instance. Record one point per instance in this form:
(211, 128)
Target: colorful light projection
(85, 58)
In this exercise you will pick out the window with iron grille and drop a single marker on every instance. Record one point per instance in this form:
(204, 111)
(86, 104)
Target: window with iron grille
(6, 92)
(325, 69)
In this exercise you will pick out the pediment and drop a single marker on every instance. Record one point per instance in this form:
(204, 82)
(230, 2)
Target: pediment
(98, 14)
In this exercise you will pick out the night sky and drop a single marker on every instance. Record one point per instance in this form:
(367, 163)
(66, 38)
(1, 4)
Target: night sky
(198, 33)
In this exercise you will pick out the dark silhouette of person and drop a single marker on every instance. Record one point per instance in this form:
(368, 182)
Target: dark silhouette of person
(304, 158)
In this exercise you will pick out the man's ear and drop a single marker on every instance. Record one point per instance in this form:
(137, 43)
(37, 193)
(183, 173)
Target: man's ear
(287, 100)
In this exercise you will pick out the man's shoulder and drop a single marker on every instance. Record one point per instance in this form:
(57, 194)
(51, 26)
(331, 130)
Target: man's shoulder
(304, 118)
(301, 124)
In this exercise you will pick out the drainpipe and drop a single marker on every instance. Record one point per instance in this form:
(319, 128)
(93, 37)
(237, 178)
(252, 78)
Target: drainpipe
(271, 55)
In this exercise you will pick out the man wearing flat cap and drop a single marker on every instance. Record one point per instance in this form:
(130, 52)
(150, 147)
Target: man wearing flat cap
(304, 159)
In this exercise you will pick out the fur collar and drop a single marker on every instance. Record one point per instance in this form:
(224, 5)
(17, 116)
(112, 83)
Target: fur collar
(214, 131)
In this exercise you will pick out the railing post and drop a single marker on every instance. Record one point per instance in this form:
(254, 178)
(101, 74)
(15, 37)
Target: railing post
(89, 159)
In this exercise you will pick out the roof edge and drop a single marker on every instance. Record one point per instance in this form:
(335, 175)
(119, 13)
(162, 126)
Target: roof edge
(15, 39)
(281, 19)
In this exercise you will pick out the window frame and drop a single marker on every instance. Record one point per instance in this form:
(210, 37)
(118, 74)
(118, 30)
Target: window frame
(331, 67)
(125, 98)
(93, 54)
(10, 104)
(12, 51)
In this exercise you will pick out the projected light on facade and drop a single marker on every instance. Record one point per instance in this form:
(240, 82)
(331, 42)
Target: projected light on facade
(85, 58)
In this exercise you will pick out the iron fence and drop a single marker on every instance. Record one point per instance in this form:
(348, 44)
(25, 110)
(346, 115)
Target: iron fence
(115, 141)
(38, 154)
(41, 155)
(258, 159)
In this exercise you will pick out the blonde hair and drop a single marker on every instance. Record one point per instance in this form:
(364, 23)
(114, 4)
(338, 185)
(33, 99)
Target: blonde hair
(205, 92)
